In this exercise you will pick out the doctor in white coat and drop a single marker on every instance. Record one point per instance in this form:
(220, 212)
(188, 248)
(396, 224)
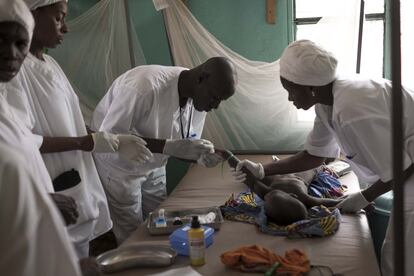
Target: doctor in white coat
(353, 116)
(47, 103)
(32, 235)
(167, 106)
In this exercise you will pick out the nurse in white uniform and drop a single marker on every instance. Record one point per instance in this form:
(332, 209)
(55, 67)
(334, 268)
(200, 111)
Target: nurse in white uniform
(32, 235)
(353, 116)
(50, 108)
(167, 106)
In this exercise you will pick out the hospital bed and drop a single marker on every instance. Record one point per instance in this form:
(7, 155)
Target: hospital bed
(350, 251)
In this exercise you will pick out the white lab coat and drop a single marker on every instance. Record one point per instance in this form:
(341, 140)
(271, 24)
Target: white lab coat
(142, 101)
(50, 108)
(359, 124)
(33, 238)
(15, 133)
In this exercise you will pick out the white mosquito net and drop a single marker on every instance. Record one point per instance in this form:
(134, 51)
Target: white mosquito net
(258, 116)
(100, 46)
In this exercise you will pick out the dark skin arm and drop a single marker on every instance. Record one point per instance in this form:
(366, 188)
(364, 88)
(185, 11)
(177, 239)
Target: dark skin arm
(157, 146)
(61, 144)
(67, 207)
(299, 162)
(380, 188)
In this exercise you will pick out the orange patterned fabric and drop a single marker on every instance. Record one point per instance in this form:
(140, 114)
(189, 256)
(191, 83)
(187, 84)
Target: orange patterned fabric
(257, 258)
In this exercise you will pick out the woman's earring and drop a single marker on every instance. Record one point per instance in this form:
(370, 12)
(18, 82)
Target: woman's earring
(313, 93)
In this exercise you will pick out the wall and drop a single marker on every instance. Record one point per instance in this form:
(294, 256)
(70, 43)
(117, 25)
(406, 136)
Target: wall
(239, 24)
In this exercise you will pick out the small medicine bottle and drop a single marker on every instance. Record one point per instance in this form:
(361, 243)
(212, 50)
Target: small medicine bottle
(196, 243)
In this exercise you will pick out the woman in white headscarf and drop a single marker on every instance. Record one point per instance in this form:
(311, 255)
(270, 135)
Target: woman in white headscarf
(353, 116)
(47, 103)
(32, 235)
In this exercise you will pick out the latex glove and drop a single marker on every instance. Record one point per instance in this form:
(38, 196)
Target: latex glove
(210, 160)
(255, 168)
(132, 148)
(190, 149)
(89, 267)
(105, 142)
(353, 203)
(67, 207)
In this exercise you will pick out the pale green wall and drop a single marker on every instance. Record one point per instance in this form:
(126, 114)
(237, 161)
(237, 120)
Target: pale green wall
(239, 24)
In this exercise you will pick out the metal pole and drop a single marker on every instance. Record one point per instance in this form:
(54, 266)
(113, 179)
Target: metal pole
(397, 141)
(129, 29)
(361, 30)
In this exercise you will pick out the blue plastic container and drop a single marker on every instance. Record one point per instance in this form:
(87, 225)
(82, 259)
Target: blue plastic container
(179, 239)
(378, 221)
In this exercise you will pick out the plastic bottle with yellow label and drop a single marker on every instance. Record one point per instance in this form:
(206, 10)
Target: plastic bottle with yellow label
(196, 243)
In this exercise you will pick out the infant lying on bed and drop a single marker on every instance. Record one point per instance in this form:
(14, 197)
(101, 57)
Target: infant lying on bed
(286, 196)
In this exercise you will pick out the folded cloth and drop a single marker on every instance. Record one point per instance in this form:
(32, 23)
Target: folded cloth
(249, 208)
(325, 185)
(255, 258)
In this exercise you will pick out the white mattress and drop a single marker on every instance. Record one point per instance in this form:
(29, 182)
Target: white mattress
(348, 252)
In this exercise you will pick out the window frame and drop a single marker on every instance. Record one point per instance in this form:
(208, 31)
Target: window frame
(368, 17)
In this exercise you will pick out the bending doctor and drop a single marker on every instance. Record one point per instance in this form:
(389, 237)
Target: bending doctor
(353, 116)
(166, 106)
(49, 106)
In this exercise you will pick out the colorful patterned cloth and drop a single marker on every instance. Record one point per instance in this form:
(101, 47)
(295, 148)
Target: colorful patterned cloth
(249, 208)
(326, 185)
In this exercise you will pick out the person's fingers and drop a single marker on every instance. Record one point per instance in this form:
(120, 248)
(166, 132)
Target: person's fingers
(239, 165)
(139, 140)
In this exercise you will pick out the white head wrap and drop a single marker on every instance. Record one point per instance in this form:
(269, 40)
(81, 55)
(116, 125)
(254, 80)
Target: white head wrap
(34, 4)
(17, 11)
(305, 63)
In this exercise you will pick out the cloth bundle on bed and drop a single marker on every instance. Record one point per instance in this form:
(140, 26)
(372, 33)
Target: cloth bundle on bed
(249, 208)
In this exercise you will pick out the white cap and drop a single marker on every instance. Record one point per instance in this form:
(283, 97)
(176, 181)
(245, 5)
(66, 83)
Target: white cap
(17, 11)
(306, 63)
(34, 4)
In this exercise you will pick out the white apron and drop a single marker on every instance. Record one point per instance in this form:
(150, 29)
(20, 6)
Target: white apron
(359, 123)
(33, 238)
(52, 110)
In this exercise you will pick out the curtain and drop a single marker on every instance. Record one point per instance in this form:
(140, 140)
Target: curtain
(97, 49)
(258, 116)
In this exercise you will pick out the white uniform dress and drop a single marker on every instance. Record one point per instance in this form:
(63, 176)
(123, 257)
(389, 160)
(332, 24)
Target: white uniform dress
(50, 108)
(142, 101)
(32, 235)
(359, 124)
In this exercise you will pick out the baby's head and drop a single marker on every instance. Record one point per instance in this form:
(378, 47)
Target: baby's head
(283, 208)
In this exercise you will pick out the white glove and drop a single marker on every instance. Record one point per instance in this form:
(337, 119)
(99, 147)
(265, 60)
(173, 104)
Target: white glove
(255, 168)
(132, 148)
(190, 149)
(105, 142)
(352, 203)
(210, 160)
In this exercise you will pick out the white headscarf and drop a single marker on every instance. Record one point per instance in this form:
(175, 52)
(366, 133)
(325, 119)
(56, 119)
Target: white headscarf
(17, 11)
(34, 4)
(305, 63)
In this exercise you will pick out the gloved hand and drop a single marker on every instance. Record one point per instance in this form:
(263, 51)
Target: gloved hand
(352, 203)
(255, 168)
(210, 160)
(132, 148)
(105, 142)
(67, 207)
(190, 149)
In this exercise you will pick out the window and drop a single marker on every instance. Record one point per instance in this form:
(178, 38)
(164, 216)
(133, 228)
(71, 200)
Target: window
(335, 24)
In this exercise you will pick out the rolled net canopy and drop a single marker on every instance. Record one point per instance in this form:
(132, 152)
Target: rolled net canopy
(99, 47)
